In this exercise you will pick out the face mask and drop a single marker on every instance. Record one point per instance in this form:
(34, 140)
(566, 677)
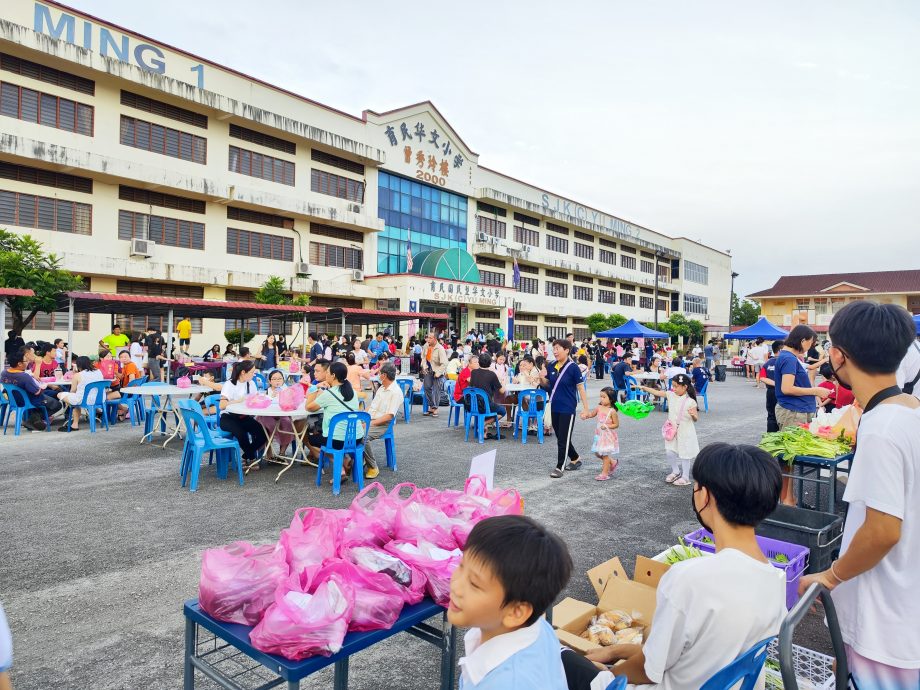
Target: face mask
(843, 384)
(699, 517)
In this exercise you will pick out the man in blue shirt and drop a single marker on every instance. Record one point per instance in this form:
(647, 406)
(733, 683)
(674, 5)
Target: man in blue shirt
(618, 373)
(649, 351)
(562, 379)
(767, 374)
(376, 346)
(18, 376)
(708, 354)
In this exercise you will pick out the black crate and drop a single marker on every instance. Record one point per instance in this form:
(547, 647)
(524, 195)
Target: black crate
(820, 532)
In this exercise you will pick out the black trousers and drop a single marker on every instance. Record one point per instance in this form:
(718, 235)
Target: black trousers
(599, 368)
(563, 424)
(772, 424)
(579, 672)
(247, 431)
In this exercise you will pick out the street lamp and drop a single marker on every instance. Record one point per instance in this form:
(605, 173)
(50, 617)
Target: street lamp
(730, 298)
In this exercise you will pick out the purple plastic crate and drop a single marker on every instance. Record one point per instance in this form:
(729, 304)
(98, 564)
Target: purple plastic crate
(797, 555)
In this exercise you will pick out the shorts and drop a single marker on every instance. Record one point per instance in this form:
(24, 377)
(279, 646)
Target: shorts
(786, 417)
(154, 366)
(184, 341)
(867, 674)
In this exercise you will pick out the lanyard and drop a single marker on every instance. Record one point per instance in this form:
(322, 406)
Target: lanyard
(883, 394)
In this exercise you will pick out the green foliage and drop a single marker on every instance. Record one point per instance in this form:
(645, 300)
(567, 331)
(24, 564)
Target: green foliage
(272, 292)
(25, 264)
(598, 322)
(744, 312)
(233, 336)
(301, 301)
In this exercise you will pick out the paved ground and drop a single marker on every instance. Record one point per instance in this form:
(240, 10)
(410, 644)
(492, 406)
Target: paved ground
(101, 546)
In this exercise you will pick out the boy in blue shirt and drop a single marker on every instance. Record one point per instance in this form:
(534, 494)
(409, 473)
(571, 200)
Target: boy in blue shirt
(512, 570)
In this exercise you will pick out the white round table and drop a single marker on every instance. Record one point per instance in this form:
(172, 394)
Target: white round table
(274, 410)
(165, 392)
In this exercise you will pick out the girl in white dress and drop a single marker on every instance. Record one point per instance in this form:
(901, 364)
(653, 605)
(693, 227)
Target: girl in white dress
(682, 414)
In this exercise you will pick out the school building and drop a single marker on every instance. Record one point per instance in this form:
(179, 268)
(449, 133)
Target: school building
(152, 171)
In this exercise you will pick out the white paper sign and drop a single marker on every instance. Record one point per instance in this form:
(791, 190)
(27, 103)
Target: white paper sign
(485, 465)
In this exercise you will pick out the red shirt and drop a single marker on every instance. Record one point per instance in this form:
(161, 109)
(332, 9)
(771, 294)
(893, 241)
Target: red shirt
(463, 380)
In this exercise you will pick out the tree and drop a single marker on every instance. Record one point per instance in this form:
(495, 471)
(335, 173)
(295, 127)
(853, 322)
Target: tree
(272, 292)
(233, 335)
(744, 312)
(598, 322)
(25, 264)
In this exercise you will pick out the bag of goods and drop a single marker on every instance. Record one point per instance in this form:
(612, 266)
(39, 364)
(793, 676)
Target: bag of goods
(436, 564)
(411, 582)
(238, 581)
(183, 382)
(598, 634)
(294, 366)
(378, 599)
(417, 521)
(628, 636)
(291, 398)
(258, 401)
(375, 503)
(361, 529)
(300, 624)
(313, 537)
(616, 620)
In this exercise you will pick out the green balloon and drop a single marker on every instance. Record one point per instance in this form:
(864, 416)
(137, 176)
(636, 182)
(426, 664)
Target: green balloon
(635, 408)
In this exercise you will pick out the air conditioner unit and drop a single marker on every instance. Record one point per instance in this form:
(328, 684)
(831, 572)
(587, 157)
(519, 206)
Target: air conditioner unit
(142, 247)
(356, 208)
(483, 237)
(302, 268)
(357, 275)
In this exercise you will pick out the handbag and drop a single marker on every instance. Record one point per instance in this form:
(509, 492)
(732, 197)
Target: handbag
(669, 429)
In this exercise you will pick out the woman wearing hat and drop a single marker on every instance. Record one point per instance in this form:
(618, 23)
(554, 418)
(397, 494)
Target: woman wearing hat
(680, 442)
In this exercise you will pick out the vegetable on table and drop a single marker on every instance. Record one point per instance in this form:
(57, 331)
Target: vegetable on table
(794, 441)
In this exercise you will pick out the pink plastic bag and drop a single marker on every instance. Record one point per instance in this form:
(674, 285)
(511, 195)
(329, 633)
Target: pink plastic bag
(436, 564)
(258, 401)
(68, 375)
(361, 529)
(313, 537)
(374, 502)
(238, 581)
(183, 382)
(417, 521)
(108, 367)
(378, 599)
(299, 624)
(290, 398)
(411, 582)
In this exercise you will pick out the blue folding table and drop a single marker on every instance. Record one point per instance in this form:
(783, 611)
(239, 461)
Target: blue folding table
(809, 469)
(223, 658)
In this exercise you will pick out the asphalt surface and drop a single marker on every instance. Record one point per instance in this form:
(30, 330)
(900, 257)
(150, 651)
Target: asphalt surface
(101, 545)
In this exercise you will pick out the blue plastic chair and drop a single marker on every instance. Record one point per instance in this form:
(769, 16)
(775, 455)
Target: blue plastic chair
(16, 401)
(389, 442)
(212, 418)
(132, 401)
(746, 667)
(4, 407)
(479, 412)
(352, 446)
(632, 389)
(704, 394)
(535, 410)
(261, 382)
(198, 439)
(406, 387)
(455, 408)
(94, 391)
(618, 683)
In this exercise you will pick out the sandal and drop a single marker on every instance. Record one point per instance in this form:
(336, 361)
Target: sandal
(673, 477)
(682, 482)
(574, 465)
(556, 473)
(602, 477)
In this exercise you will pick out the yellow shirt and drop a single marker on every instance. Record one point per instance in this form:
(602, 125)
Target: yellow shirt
(184, 328)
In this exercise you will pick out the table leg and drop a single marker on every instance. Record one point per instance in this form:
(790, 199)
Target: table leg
(340, 681)
(158, 419)
(301, 450)
(268, 444)
(170, 404)
(448, 654)
(189, 672)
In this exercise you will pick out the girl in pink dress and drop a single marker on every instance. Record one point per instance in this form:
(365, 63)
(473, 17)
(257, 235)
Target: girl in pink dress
(606, 444)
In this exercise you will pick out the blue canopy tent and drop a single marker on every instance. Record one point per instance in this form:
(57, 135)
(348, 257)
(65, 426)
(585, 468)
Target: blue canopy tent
(762, 329)
(917, 321)
(632, 329)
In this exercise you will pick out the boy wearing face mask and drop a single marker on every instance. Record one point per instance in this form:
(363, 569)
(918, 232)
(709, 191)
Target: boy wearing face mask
(709, 610)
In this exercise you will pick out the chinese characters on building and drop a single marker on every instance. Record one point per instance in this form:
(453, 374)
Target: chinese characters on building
(462, 293)
(429, 149)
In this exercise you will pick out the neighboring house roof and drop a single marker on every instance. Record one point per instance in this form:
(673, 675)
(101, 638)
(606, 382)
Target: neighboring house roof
(877, 282)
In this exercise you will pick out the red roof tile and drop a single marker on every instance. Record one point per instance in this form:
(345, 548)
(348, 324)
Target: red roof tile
(15, 292)
(877, 282)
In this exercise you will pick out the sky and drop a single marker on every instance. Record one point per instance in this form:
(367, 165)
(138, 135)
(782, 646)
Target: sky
(787, 132)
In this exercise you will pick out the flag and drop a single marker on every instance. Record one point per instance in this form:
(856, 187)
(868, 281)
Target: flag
(409, 253)
(516, 275)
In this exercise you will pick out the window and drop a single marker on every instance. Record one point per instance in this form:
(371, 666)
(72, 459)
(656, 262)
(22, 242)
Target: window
(675, 270)
(550, 273)
(554, 333)
(561, 229)
(489, 208)
(627, 286)
(169, 231)
(581, 334)
(48, 178)
(606, 283)
(608, 257)
(260, 245)
(488, 314)
(527, 268)
(628, 261)
(646, 303)
(266, 140)
(261, 326)
(163, 140)
(820, 305)
(607, 296)
(524, 331)
(521, 218)
(664, 273)
(556, 289)
(647, 267)
(695, 304)
(245, 215)
(607, 243)
(259, 165)
(488, 261)
(529, 285)
(45, 213)
(555, 319)
(137, 324)
(662, 305)
(646, 291)
(486, 326)
(696, 273)
(526, 236)
(646, 255)
(336, 302)
(45, 109)
(336, 185)
(583, 236)
(583, 294)
(583, 279)
(492, 278)
(490, 226)
(49, 75)
(557, 244)
(337, 162)
(55, 321)
(336, 233)
(584, 251)
(627, 249)
(173, 112)
(336, 256)
(149, 198)
(627, 300)
(801, 304)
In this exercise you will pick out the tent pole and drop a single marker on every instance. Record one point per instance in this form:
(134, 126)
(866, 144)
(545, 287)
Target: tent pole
(169, 345)
(69, 331)
(303, 336)
(343, 323)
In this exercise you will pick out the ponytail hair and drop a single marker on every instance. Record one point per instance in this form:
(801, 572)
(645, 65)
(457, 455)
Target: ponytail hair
(340, 372)
(240, 368)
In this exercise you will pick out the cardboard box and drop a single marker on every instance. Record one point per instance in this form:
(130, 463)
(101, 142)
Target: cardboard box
(615, 590)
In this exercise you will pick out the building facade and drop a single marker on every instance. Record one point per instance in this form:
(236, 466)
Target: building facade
(149, 170)
(814, 299)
